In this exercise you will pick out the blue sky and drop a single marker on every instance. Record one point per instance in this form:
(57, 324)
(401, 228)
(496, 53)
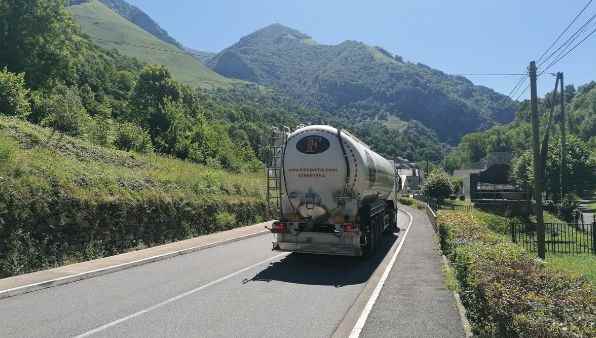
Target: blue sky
(457, 36)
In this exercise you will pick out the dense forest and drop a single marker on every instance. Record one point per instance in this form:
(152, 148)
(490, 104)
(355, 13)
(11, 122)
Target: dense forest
(363, 83)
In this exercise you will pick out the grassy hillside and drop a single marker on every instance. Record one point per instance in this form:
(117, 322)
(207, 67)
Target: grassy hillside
(360, 82)
(63, 199)
(110, 30)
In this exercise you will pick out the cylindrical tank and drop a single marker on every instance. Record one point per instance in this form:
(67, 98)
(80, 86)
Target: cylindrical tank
(328, 175)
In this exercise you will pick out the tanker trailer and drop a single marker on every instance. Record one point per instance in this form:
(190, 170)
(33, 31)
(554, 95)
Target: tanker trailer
(338, 196)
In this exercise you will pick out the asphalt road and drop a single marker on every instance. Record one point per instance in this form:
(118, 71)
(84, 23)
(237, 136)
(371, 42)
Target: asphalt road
(241, 289)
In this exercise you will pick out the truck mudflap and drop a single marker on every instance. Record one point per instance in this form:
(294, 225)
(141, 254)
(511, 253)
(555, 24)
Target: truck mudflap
(341, 243)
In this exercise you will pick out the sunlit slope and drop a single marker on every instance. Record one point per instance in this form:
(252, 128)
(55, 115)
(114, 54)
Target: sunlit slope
(110, 30)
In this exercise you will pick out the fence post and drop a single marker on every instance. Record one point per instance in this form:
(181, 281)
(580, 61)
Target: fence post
(593, 237)
(513, 239)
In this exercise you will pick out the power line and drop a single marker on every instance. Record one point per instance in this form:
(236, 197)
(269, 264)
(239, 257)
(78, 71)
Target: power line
(490, 74)
(543, 60)
(565, 30)
(569, 51)
(559, 51)
(519, 83)
(522, 92)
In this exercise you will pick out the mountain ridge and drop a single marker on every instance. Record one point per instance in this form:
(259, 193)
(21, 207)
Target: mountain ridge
(110, 30)
(360, 81)
(138, 17)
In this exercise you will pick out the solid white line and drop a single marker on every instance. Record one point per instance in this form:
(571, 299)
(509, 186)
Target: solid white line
(377, 291)
(176, 298)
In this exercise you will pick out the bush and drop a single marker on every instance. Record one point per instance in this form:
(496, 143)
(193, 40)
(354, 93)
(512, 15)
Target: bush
(437, 186)
(6, 150)
(568, 206)
(130, 137)
(14, 96)
(100, 128)
(406, 201)
(225, 219)
(506, 292)
(66, 112)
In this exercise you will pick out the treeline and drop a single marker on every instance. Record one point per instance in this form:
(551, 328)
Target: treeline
(516, 138)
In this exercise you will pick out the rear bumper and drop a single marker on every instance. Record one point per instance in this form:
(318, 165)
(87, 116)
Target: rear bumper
(343, 244)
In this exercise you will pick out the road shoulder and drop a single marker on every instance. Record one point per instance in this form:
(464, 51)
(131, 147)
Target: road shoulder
(17, 285)
(415, 301)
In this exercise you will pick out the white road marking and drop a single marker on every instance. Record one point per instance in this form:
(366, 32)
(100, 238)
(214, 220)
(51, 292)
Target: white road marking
(176, 298)
(377, 291)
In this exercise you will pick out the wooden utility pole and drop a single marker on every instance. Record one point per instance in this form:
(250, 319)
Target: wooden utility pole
(537, 159)
(563, 164)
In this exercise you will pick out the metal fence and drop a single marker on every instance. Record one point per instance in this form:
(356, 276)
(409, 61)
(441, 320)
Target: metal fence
(560, 238)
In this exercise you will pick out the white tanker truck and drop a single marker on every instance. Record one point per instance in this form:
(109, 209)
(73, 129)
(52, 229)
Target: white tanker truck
(338, 196)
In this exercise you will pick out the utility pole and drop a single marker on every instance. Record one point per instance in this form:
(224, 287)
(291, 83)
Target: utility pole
(537, 159)
(563, 164)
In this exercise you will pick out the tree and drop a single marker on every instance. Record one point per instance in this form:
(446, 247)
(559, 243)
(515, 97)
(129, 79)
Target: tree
(473, 146)
(522, 172)
(579, 171)
(14, 96)
(153, 89)
(437, 186)
(130, 137)
(36, 39)
(66, 112)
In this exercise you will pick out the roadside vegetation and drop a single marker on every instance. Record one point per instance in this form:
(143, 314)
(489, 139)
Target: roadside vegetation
(507, 292)
(64, 200)
(513, 138)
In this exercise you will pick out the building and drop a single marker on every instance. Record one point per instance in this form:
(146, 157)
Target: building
(411, 177)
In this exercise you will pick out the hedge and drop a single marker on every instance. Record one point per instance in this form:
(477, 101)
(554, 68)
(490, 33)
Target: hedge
(507, 292)
(41, 229)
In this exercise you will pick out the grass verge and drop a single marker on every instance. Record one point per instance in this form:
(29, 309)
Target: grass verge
(581, 265)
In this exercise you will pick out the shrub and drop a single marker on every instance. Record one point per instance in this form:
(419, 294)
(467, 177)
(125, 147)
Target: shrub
(66, 112)
(437, 186)
(6, 150)
(14, 95)
(406, 201)
(131, 137)
(506, 292)
(568, 206)
(225, 219)
(100, 128)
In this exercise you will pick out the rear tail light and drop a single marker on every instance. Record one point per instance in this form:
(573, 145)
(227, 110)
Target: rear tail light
(279, 228)
(349, 227)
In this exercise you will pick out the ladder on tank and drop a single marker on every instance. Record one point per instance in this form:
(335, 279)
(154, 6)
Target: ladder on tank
(274, 171)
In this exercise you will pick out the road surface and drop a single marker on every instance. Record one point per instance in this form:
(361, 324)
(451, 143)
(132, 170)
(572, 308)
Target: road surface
(241, 289)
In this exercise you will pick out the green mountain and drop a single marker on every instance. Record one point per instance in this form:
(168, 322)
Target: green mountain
(361, 82)
(203, 56)
(136, 16)
(112, 31)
